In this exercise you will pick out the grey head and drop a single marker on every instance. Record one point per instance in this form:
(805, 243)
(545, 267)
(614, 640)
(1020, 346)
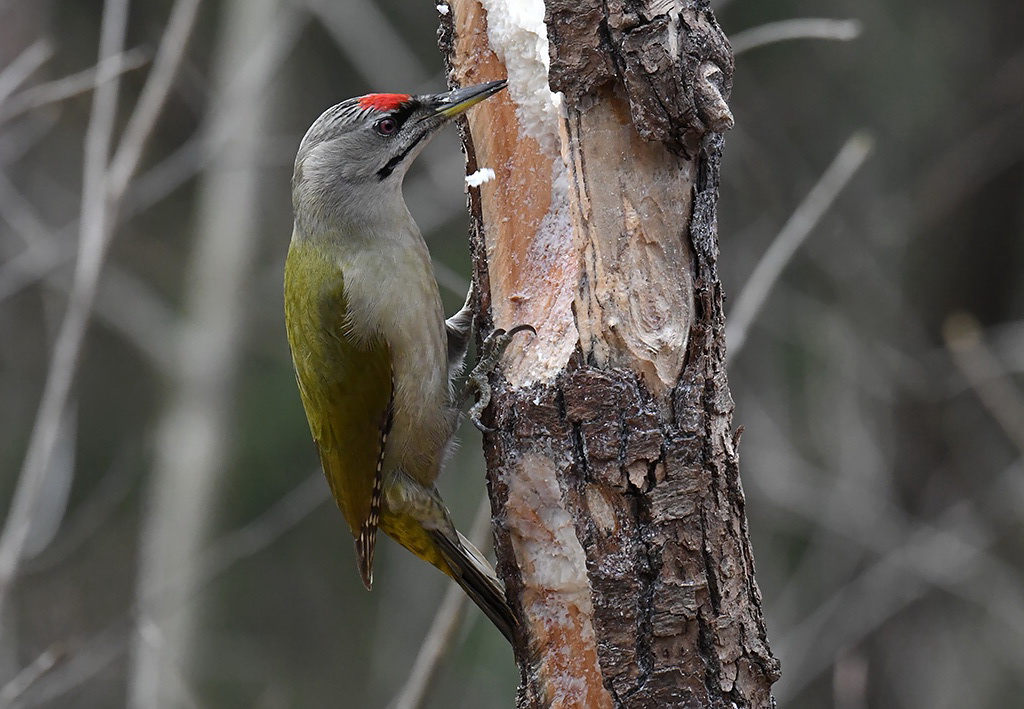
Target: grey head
(352, 160)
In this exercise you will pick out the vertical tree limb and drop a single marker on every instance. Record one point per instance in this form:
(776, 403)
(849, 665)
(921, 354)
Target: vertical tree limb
(620, 521)
(192, 444)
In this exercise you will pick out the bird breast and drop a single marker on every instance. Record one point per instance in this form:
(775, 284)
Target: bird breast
(392, 292)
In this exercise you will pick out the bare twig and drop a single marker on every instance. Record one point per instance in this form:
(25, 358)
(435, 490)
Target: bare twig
(942, 556)
(95, 229)
(27, 267)
(912, 558)
(96, 653)
(53, 500)
(261, 532)
(19, 139)
(21, 215)
(795, 231)
(81, 663)
(70, 86)
(803, 28)
(359, 28)
(90, 514)
(30, 674)
(154, 95)
(122, 301)
(442, 630)
(24, 65)
(986, 375)
(93, 240)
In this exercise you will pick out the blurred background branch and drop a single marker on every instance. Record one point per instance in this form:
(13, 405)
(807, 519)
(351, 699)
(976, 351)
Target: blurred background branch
(787, 30)
(799, 226)
(93, 242)
(193, 439)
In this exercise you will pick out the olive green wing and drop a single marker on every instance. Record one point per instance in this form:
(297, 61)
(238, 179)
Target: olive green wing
(346, 389)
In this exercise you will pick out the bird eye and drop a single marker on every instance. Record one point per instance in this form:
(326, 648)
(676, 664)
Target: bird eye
(386, 126)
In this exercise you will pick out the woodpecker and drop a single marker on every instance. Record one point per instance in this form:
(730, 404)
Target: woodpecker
(374, 356)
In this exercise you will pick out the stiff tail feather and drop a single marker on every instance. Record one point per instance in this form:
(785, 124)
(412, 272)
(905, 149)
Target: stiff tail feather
(476, 577)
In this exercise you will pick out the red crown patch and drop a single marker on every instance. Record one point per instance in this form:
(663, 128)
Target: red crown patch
(383, 102)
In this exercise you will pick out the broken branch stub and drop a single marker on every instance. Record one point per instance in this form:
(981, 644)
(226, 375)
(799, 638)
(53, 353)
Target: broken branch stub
(674, 63)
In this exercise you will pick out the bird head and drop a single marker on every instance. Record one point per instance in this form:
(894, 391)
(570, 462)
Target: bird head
(353, 158)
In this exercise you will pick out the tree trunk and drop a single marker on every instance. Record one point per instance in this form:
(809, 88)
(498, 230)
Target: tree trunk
(619, 516)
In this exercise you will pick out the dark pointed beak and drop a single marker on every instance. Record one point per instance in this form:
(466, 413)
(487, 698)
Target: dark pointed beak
(455, 102)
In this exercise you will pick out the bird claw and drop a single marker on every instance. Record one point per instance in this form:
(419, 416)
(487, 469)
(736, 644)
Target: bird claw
(493, 347)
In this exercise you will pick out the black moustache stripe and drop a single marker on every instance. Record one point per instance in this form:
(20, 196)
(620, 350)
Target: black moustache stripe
(389, 167)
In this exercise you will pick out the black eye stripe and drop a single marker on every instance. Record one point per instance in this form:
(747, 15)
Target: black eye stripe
(403, 112)
(400, 115)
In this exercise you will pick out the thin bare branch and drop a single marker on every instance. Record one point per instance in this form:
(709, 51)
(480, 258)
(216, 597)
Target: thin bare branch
(948, 555)
(912, 557)
(90, 514)
(154, 95)
(795, 231)
(986, 375)
(82, 663)
(24, 65)
(124, 302)
(96, 653)
(30, 674)
(786, 30)
(18, 139)
(257, 535)
(93, 240)
(360, 28)
(70, 86)
(27, 267)
(21, 215)
(95, 229)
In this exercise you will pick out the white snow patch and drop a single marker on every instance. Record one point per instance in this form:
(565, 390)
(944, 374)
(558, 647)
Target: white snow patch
(443, 9)
(484, 174)
(518, 35)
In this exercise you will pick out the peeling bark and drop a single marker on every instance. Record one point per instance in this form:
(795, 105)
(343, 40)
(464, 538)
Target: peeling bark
(619, 516)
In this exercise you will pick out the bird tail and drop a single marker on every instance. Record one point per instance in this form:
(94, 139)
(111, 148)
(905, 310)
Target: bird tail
(476, 577)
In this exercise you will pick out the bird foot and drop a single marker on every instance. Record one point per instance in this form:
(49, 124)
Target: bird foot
(493, 347)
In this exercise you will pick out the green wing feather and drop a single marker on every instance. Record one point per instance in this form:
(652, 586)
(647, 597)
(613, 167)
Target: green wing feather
(346, 389)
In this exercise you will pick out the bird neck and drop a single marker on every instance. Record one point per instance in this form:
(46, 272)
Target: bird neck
(352, 216)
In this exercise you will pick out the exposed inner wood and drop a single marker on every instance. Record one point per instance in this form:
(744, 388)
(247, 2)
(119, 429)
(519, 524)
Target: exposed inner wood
(630, 201)
(530, 251)
(533, 266)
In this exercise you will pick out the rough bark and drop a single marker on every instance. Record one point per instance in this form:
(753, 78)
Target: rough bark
(619, 516)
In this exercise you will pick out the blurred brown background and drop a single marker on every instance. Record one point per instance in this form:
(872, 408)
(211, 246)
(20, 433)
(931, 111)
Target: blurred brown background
(879, 380)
